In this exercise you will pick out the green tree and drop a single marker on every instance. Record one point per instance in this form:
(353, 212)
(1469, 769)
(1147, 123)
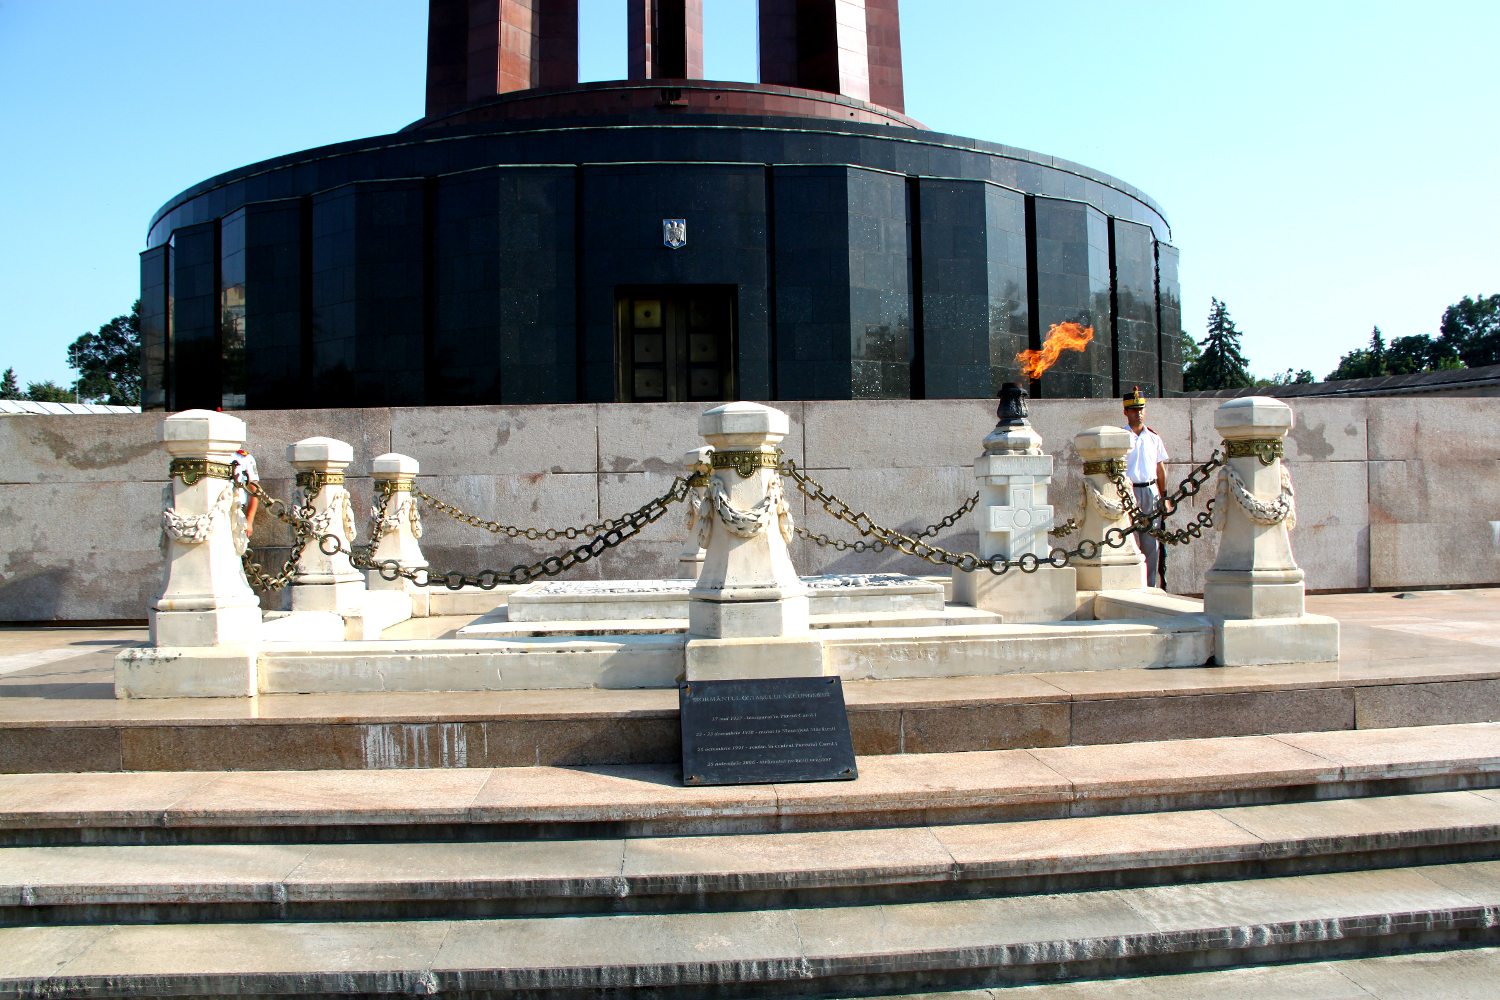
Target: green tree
(48, 392)
(1300, 377)
(1368, 362)
(1471, 327)
(1220, 364)
(9, 389)
(109, 361)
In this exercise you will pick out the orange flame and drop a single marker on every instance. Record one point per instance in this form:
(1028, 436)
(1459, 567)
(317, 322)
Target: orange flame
(1062, 337)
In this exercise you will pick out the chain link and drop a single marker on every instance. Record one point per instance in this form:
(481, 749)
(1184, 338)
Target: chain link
(606, 535)
(299, 519)
(512, 531)
(1155, 524)
(860, 545)
(968, 562)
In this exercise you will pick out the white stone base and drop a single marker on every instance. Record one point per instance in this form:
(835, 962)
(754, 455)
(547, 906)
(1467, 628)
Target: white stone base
(469, 600)
(1237, 599)
(303, 627)
(420, 604)
(219, 627)
(748, 619)
(1246, 642)
(378, 611)
(621, 661)
(1153, 603)
(1048, 595)
(740, 659)
(186, 672)
(328, 596)
(1120, 576)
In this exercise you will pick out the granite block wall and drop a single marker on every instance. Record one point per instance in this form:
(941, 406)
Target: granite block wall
(1385, 498)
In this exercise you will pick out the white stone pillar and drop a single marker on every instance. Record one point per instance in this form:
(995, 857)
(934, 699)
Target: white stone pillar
(1254, 593)
(699, 462)
(748, 615)
(395, 475)
(1124, 568)
(1254, 575)
(1012, 519)
(206, 600)
(326, 582)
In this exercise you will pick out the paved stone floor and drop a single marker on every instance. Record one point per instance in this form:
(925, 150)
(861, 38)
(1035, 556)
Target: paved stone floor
(1436, 635)
(1443, 975)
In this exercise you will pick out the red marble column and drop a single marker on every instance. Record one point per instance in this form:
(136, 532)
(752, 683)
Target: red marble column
(666, 39)
(883, 41)
(849, 47)
(479, 48)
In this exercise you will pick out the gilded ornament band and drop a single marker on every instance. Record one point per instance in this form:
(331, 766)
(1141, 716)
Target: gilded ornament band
(1104, 467)
(745, 462)
(190, 470)
(1267, 450)
(388, 486)
(317, 480)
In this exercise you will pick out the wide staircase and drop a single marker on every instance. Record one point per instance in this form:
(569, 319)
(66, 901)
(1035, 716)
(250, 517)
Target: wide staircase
(1275, 865)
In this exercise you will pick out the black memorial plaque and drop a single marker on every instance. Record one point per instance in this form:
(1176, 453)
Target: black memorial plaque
(758, 731)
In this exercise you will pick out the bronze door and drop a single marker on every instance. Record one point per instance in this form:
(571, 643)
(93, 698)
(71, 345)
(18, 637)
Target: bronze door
(676, 344)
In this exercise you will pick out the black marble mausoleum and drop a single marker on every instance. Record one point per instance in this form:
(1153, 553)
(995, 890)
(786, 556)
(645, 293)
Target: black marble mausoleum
(516, 244)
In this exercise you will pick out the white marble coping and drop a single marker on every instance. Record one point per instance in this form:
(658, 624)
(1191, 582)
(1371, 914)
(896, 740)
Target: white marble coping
(570, 591)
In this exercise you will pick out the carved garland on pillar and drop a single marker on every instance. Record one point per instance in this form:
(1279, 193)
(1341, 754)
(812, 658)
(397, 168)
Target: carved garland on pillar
(1262, 512)
(194, 529)
(749, 523)
(1111, 509)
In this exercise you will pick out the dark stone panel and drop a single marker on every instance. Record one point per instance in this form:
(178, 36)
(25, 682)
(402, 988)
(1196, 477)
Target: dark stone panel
(1135, 307)
(973, 239)
(155, 309)
(842, 295)
(624, 207)
(1072, 250)
(1169, 297)
(195, 318)
(368, 294)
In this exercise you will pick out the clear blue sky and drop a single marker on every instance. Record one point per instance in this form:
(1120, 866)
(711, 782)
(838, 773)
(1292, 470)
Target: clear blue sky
(1325, 166)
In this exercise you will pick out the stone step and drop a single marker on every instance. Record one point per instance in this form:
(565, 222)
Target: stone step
(93, 731)
(159, 884)
(499, 626)
(839, 950)
(649, 800)
(1457, 974)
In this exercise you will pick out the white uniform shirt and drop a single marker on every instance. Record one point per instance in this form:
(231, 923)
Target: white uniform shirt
(244, 471)
(1145, 451)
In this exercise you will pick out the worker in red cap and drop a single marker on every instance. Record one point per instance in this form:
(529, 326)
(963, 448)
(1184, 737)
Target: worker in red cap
(1146, 467)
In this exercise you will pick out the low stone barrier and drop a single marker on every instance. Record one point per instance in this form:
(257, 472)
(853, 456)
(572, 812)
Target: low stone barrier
(1391, 493)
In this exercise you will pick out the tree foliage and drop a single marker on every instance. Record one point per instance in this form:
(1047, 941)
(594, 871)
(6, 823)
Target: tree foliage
(109, 361)
(1289, 377)
(9, 388)
(1472, 328)
(48, 392)
(1220, 364)
(1402, 356)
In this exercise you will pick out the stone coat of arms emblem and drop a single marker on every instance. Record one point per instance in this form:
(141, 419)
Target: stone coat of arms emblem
(674, 232)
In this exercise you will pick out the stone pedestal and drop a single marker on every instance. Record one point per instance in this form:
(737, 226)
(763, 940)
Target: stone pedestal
(394, 475)
(205, 600)
(748, 615)
(325, 582)
(1012, 519)
(1123, 568)
(1254, 575)
(1254, 593)
(206, 625)
(699, 517)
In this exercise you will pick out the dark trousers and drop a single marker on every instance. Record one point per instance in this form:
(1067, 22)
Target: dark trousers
(1145, 499)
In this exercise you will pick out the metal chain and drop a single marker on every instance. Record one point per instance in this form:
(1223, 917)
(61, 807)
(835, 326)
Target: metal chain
(299, 519)
(968, 562)
(1155, 524)
(512, 531)
(860, 545)
(606, 536)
